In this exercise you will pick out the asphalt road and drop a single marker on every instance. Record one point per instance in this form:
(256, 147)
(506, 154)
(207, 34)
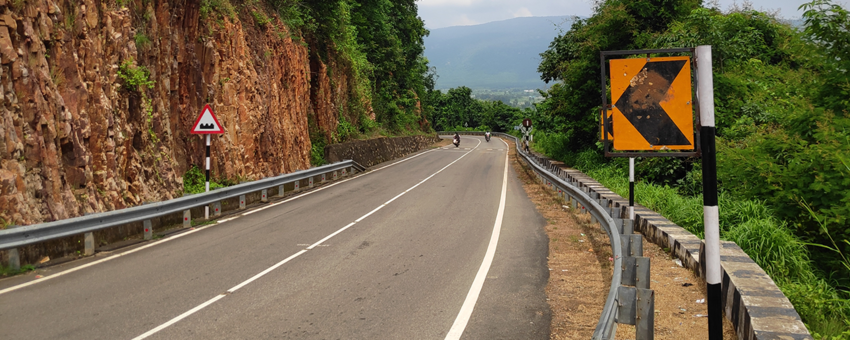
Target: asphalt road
(390, 254)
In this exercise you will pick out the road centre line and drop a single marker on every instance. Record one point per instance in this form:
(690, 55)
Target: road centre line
(154, 243)
(472, 297)
(261, 274)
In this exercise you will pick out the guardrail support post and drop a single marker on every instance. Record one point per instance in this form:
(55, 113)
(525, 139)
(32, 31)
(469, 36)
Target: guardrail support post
(644, 327)
(324, 178)
(14, 259)
(635, 245)
(335, 175)
(148, 229)
(280, 190)
(265, 197)
(344, 172)
(241, 201)
(187, 218)
(310, 183)
(629, 227)
(642, 267)
(89, 243)
(216, 209)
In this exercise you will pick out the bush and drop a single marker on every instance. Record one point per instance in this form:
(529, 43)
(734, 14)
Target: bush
(135, 77)
(194, 181)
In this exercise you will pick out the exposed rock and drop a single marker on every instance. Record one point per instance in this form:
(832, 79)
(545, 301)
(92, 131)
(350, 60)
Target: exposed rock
(74, 139)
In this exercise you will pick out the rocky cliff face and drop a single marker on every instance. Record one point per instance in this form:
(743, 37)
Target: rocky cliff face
(76, 139)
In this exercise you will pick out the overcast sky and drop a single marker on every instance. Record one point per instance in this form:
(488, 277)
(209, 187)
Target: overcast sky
(444, 13)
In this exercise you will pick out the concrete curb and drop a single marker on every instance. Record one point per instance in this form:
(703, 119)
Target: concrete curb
(751, 300)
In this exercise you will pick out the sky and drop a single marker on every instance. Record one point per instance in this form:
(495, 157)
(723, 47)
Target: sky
(444, 13)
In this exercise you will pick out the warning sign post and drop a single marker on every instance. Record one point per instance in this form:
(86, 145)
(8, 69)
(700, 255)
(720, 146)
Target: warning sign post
(207, 124)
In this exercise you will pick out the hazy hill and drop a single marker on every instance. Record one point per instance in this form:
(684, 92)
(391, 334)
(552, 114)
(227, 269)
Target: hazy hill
(495, 55)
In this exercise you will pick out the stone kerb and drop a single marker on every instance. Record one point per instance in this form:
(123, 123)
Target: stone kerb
(751, 300)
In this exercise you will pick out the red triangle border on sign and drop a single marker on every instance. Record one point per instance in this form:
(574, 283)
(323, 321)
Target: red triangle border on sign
(198, 121)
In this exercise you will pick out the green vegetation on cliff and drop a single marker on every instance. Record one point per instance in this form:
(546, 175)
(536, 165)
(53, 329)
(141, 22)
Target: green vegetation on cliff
(380, 42)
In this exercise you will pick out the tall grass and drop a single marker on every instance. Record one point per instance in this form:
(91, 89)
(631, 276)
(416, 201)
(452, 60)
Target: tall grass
(752, 225)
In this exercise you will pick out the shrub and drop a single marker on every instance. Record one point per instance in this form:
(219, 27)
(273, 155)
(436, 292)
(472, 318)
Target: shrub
(135, 77)
(194, 181)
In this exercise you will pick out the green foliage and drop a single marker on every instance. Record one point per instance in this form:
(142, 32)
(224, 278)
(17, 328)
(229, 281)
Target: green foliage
(736, 37)
(142, 40)
(367, 125)
(828, 27)
(799, 163)
(345, 130)
(194, 181)
(260, 18)
(318, 142)
(8, 271)
(135, 78)
(218, 8)
(825, 311)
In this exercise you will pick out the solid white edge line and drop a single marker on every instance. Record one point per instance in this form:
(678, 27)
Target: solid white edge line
(180, 317)
(48, 277)
(472, 297)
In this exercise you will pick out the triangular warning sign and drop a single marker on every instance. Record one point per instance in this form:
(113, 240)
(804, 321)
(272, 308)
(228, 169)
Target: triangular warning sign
(207, 122)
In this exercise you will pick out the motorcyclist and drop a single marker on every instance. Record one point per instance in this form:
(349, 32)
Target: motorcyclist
(457, 140)
(487, 135)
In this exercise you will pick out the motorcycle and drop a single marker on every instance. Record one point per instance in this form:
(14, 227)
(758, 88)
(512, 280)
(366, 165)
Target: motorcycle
(456, 141)
(487, 137)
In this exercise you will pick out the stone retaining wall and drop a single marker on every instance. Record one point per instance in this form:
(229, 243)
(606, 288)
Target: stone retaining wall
(374, 151)
(750, 299)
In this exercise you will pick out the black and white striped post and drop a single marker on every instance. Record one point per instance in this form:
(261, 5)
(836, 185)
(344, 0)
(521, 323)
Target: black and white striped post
(207, 185)
(705, 95)
(631, 188)
(207, 124)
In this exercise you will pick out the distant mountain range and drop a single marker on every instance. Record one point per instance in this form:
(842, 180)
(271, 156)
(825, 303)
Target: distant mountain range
(499, 55)
(496, 55)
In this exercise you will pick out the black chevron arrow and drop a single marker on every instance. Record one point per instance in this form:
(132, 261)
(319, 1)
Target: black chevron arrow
(640, 103)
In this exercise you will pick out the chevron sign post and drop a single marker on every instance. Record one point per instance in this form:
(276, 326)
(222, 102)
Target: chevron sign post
(207, 124)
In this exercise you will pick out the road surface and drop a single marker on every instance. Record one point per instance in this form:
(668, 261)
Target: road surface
(403, 251)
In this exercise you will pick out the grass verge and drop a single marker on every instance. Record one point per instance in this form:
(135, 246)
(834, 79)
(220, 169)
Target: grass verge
(749, 223)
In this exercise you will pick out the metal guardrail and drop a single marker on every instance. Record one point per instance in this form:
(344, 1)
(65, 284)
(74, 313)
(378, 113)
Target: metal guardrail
(607, 326)
(36, 233)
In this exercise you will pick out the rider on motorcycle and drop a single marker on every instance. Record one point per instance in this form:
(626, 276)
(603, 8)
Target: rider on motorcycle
(456, 140)
(487, 136)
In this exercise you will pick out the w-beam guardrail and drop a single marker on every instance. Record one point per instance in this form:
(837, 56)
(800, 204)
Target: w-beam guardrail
(628, 305)
(16, 237)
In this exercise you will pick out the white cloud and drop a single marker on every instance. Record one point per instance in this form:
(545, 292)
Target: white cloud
(522, 12)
